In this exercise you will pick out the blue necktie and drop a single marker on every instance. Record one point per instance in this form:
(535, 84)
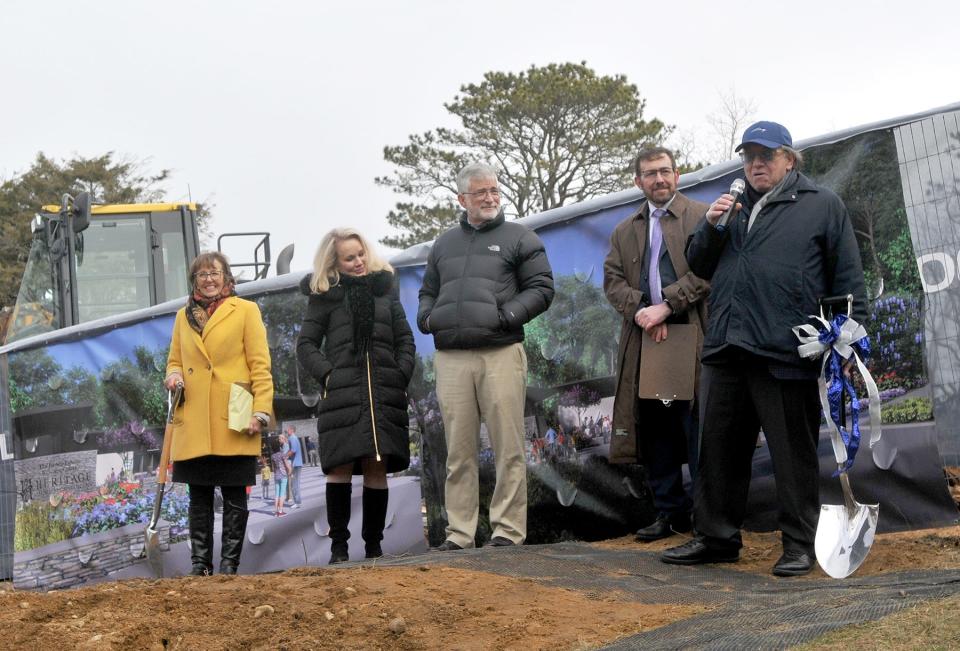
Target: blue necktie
(656, 243)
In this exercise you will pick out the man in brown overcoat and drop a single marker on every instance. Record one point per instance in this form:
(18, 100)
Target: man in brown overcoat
(651, 295)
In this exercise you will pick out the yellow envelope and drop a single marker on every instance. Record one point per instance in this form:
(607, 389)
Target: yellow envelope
(240, 409)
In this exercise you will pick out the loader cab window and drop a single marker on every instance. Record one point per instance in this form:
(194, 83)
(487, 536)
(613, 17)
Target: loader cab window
(171, 260)
(113, 272)
(174, 266)
(38, 308)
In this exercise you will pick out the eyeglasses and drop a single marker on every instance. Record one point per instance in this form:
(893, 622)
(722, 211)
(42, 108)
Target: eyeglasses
(765, 155)
(649, 175)
(480, 194)
(208, 275)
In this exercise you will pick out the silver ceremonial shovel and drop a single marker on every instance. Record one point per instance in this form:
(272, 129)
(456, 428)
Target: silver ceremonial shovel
(845, 532)
(152, 535)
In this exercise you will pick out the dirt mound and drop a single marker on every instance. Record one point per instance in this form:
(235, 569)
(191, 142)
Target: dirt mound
(355, 608)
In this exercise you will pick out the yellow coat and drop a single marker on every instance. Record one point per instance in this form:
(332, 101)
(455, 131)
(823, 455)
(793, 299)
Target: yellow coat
(233, 348)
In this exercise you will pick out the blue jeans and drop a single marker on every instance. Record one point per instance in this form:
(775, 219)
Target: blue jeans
(281, 487)
(295, 484)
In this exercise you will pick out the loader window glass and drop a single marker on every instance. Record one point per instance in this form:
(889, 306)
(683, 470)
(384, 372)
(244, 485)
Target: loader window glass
(174, 266)
(37, 309)
(113, 275)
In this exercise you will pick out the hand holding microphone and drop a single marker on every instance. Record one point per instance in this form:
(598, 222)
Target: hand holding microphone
(726, 205)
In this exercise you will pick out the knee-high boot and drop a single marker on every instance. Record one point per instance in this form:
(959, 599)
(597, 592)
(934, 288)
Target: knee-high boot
(338, 517)
(374, 518)
(235, 516)
(200, 516)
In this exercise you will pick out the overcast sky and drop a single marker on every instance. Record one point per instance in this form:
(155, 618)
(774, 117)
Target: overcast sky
(277, 112)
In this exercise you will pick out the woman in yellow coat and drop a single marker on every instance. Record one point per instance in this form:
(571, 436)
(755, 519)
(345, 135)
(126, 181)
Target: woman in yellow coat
(218, 340)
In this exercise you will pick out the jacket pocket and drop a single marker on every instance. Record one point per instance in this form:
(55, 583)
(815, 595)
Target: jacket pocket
(775, 300)
(220, 400)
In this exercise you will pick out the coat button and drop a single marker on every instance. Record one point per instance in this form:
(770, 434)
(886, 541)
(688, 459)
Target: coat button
(209, 367)
(189, 371)
(634, 259)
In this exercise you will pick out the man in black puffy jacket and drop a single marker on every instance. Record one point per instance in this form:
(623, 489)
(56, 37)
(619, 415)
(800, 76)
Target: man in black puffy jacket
(485, 279)
(788, 243)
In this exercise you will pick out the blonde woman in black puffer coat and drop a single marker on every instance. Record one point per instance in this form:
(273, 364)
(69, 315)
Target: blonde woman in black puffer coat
(356, 342)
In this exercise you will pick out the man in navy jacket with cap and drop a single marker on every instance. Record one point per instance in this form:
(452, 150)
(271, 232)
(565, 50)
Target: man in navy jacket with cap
(788, 243)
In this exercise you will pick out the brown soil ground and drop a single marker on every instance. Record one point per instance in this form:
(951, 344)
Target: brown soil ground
(365, 607)
(354, 608)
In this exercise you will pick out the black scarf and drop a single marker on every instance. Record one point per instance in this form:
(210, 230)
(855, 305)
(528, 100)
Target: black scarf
(359, 295)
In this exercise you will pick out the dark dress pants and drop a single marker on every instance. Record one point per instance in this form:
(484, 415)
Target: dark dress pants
(739, 397)
(668, 439)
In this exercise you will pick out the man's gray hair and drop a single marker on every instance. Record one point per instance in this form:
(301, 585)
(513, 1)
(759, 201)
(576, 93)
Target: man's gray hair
(475, 170)
(796, 155)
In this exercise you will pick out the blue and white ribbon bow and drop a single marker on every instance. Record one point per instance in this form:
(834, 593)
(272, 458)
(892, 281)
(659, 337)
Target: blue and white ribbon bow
(836, 342)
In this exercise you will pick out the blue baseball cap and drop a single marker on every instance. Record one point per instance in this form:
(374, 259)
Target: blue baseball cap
(767, 134)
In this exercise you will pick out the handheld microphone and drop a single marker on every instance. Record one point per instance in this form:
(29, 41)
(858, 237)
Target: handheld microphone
(736, 189)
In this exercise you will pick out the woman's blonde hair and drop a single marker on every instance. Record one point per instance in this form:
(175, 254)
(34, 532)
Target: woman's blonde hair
(325, 273)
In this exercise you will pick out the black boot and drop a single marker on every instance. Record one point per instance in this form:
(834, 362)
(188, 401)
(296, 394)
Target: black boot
(200, 516)
(338, 517)
(235, 516)
(374, 518)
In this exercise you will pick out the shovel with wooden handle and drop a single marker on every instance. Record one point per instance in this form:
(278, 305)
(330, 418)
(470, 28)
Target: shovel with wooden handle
(845, 532)
(152, 535)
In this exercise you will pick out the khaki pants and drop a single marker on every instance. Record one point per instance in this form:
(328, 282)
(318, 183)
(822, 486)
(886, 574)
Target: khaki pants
(487, 384)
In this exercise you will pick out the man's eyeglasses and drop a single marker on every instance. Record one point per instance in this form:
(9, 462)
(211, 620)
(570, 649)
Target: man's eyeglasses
(765, 155)
(665, 172)
(480, 194)
(208, 275)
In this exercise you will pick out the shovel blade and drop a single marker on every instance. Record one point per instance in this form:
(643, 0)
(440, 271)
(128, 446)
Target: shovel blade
(154, 553)
(844, 537)
(151, 537)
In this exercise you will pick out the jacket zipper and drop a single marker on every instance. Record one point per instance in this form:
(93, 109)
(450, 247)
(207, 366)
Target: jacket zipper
(373, 418)
(463, 274)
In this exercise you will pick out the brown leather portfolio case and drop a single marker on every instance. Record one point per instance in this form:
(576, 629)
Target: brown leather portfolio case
(668, 370)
